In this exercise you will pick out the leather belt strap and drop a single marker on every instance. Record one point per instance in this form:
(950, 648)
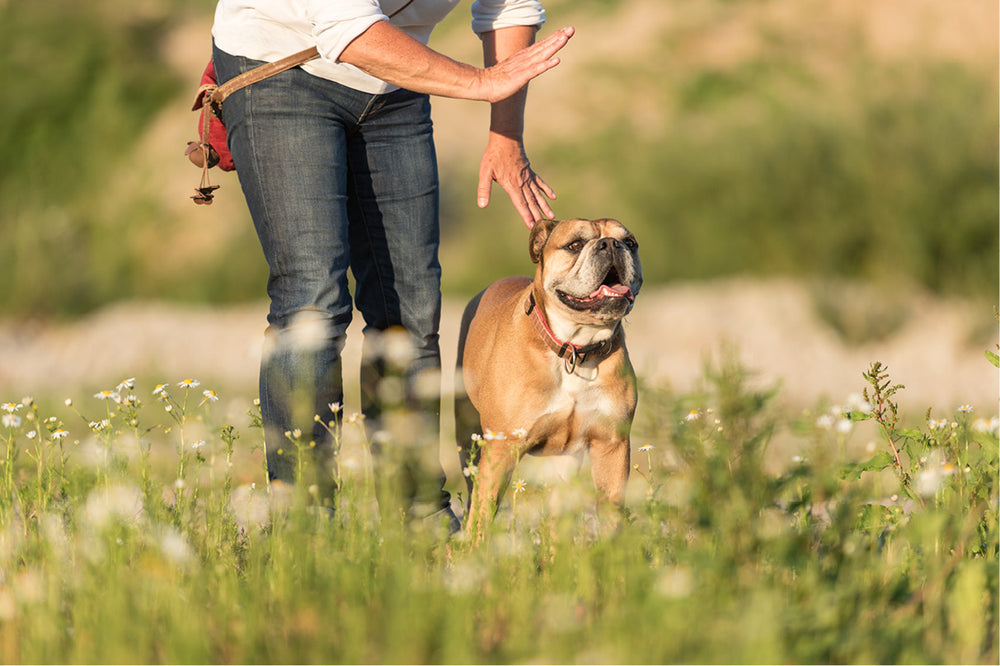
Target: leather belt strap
(214, 95)
(217, 96)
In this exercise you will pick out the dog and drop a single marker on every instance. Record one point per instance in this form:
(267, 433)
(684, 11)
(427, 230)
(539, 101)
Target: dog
(542, 363)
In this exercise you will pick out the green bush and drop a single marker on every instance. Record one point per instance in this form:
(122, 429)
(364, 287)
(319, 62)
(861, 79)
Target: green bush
(82, 81)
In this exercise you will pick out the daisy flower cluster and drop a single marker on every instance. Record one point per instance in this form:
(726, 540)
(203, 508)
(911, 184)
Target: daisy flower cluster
(990, 426)
(705, 416)
(162, 391)
(177, 408)
(838, 417)
(11, 418)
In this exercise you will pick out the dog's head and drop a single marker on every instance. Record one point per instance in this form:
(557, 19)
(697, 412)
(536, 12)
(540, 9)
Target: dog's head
(590, 268)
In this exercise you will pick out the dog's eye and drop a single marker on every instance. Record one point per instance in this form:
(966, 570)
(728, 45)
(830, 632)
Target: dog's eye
(631, 243)
(575, 246)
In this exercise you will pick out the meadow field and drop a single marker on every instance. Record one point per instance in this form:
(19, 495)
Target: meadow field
(137, 526)
(816, 455)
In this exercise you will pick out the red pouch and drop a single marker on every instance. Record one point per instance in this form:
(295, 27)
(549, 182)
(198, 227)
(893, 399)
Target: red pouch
(211, 149)
(216, 130)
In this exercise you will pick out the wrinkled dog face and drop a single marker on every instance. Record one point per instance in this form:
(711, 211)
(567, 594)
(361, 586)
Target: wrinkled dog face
(591, 267)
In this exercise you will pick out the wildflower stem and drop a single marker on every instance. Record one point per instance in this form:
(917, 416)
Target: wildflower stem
(887, 433)
(8, 464)
(43, 495)
(886, 414)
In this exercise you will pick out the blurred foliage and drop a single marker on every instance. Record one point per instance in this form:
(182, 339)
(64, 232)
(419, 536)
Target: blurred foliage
(860, 313)
(765, 170)
(878, 170)
(81, 82)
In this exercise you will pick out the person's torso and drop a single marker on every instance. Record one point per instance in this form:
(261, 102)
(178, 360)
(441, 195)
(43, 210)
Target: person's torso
(272, 29)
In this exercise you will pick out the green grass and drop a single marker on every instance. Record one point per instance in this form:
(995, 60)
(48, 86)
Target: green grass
(752, 536)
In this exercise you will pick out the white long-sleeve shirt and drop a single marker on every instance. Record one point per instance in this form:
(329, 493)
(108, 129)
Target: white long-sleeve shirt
(272, 29)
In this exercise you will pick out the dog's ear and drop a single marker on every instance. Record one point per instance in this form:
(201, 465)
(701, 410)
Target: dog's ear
(539, 235)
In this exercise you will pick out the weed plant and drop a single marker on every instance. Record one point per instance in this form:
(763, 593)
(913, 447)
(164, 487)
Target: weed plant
(136, 526)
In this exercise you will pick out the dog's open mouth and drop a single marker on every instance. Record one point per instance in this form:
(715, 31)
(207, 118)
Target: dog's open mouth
(610, 288)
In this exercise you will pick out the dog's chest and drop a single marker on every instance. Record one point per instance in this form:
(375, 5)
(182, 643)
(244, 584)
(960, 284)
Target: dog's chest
(581, 408)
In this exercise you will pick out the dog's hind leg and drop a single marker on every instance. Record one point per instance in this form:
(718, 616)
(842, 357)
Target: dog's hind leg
(466, 425)
(467, 421)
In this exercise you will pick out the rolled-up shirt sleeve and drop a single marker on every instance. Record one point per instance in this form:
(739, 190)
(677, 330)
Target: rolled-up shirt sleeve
(336, 23)
(493, 14)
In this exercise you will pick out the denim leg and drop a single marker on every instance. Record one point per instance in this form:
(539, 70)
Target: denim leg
(336, 179)
(394, 237)
(290, 150)
(393, 212)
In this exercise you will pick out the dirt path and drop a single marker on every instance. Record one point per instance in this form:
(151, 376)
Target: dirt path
(771, 325)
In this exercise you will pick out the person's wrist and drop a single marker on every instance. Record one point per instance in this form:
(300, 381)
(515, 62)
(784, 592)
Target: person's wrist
(506, 134)
(484, 84)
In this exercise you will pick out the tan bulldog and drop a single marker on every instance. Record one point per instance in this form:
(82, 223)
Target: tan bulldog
(543, 362)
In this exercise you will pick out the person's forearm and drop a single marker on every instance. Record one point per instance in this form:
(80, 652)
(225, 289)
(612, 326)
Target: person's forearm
(504, 160)
(507, 116)
(391, 55)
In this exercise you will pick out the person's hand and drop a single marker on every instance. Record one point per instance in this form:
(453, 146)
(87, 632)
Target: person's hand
(511, 74)
(388, 53)
(504, 161)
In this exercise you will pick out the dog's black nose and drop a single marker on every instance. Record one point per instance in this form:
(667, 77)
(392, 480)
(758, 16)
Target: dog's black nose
(607, 245)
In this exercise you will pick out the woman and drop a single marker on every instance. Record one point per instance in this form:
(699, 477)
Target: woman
(336, 161)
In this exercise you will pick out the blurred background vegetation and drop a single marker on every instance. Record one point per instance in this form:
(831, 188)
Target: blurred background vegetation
(854, 140)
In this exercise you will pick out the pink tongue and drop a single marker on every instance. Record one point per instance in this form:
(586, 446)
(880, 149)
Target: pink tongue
(618, 290)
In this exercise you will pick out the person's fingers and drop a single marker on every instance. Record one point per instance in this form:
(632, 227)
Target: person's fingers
(528, 193)
(535, 195)
(533, 207)
(521, 206)
(543, 193)
(520, 202)
(485, 185)
(555, 41)
(541, 50)
(544, 208)
(536, 202)
(513, 73)
(549, 192)
(509, 80)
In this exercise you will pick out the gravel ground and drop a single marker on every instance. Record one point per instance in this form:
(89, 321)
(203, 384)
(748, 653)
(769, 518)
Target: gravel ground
(772, 325)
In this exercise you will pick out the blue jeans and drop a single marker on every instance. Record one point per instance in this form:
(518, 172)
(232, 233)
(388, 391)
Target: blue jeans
(337, 180)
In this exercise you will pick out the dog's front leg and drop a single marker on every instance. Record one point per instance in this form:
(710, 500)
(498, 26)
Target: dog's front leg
(610, 469)
(496, 463)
